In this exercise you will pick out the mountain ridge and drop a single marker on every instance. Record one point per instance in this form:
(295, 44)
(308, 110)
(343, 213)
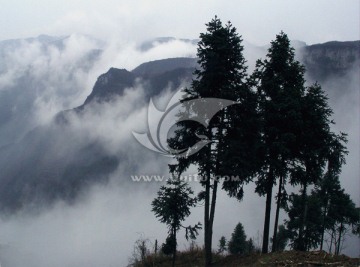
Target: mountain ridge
(49, 171)
(327, 55)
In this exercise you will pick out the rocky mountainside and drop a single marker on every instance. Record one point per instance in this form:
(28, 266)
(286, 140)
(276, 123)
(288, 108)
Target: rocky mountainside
(54, 161)
(332, 58)
(157, 74)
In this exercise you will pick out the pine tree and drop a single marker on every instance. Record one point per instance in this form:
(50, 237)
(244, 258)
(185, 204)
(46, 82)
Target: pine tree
(338, 218)
(250, 246)
(280, 83)
(311, 233)
(238, 243)
(221, 75)
(222, 244)
(172, 207)
(329, 186)
(343, 216)
(314, 148)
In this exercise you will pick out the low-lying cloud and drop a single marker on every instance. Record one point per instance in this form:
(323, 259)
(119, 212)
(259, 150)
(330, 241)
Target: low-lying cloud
(101, 226)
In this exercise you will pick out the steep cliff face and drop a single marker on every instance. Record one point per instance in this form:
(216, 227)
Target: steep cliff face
(328, 59)
(115, 81)
(154, 76)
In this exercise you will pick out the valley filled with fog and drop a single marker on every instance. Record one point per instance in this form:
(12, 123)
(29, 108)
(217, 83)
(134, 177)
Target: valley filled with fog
(68, 107)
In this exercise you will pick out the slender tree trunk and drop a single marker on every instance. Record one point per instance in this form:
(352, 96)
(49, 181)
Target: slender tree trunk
(213, 203)
(331, 241)
(265, 245)
(279, 196)
(337, 252)
(207, 237)
(212, 213)
(323, 227)
(210, 221)
(301, 240)
(175, 245)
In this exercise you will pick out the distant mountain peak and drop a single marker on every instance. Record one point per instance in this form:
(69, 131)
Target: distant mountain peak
(113, 82)
(164, 65)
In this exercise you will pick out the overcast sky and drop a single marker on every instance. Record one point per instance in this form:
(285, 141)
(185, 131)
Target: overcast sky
(133, 20)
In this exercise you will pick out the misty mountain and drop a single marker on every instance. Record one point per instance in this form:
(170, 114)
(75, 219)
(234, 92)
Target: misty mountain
(330, 59)
(155, 76)
(59, 159)
(34, 69)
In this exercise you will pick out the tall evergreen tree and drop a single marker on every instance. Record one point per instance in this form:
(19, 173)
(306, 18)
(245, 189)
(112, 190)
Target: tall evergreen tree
(221, 75)
(338, 217)
(311, 232)
(343, 217)
(329, 186)
(280, 86)
(314, 147)
(172, 206)
(318, 148)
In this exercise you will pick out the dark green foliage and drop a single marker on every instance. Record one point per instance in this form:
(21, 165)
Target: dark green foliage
(192, 231)
(296, 134)
(238, 243)
(311, 236)
(250, 246)
(222, 245)
(314, 138)
(318, 147)
(329, 210)
(278, 130)
(172, 207)
(342, 217)
(169, 246)
(173, 203)
(328, 188)
(282, 238)
(280, 84)
(222, 75)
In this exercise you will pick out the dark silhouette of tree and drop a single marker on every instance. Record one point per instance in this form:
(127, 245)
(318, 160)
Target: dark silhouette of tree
(311, 233)
(338, 218)
(250, 246)
(169, 246)
(222, 245)
(314, 148)
(329, 186)
(280, 85)
(343, 217)
(172, 206)
(328, 208)
(282, 238)
(221, 75)
(238, 243)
